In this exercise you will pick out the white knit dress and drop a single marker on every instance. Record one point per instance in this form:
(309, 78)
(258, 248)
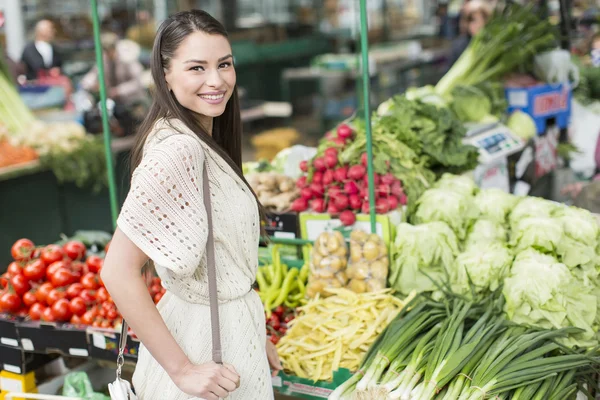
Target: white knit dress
(165, 217)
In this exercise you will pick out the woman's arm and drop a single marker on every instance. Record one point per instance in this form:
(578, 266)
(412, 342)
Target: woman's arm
(122, 277)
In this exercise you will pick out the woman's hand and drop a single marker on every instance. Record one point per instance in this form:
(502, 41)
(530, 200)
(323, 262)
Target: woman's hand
(273, 358)
(208, 381)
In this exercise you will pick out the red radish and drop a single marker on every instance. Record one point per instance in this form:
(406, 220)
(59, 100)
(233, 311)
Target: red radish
(397, 190)
(393, 202)
(331, 151)
(403, 199)
(350, 187)
(339, 141)
(317, 177)
(355, 201)
(332, 210)
(364, 193)
(383, 189)
(328, 177)
(341, 202)
(341, 174)
(366, 207)
(306, 193)
(382, 206)
(301, 182)
(344, 131)
(347, 218)
(364, 159)
(331, 160)
(334, 191)
(300, 205)
(356, 172)
(304, 166)
(329, 135)
(317, 189)
(318, 205)
(388, 179)
(376, 179)
(319, 164)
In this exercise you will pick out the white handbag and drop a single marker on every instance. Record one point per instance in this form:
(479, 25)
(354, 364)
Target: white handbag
(120, 389)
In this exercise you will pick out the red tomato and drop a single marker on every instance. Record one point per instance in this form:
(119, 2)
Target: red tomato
(54, 296)
(20, 284)
(105, 323)
(279, 311)
(48, 315)
(154, 289)
(29, 298)
(35, 271)
(23, 312)
(61, 310)
(96, 323)
(76, 320)
(112, 314)
(77, 306)
(36, 311)
(288, 319)
(89, 296)
(54, 266)
(157, 297)
(88, 317)
(282, 330)
(22, 250)
(156, 281)
(90, 281)
(42, 292)
(14, 268)
(10, 302)
(274, 339)
(102, 295)
(62, 277)
(4, 280)
(75, 250)
(78, 268)
(37, 253)
(74, 289)
(51, 254)
(102, 312)
(94, 263)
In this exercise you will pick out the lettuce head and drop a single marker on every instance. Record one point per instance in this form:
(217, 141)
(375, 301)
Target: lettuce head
(495, 204)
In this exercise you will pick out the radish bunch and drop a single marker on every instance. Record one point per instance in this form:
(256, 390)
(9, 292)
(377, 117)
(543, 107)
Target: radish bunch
(343, 190)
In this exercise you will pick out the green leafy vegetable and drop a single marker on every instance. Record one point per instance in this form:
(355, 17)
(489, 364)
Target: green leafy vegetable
(470, 104)
(531, 207)
(495, 204)
(458, 183)
(485, 232)
(522, 125)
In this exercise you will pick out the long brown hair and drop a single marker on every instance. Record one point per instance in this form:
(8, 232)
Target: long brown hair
(226, 138)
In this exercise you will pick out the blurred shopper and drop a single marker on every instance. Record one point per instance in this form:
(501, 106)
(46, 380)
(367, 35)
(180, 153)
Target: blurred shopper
(41, 55)
(475, 15)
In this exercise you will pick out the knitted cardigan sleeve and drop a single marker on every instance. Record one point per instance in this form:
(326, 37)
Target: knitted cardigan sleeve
(164, 213)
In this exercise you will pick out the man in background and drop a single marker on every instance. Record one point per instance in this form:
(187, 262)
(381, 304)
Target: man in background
(41, 55)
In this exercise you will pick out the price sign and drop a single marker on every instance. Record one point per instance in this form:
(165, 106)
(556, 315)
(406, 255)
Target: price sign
(546, 158)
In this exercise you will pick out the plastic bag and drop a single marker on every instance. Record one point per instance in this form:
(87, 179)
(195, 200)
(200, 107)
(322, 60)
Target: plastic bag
(78, 384)
(369, 263)
(555, 66)
(328, 264)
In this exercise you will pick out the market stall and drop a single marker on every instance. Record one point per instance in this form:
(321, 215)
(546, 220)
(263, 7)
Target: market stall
(406, 260)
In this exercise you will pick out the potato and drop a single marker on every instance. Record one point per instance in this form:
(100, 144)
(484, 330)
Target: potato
(341, 252)
(379, 270)
(374, 285)
(342, 277)
(358, 286)
(340, 238)
(361, 270)
(358, 236)
(316, 258)
(332, 244)
(355, 252)
(370, 251)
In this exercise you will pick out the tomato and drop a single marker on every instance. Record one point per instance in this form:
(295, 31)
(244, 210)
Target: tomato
(89, 296)
(22, 250)
(76, 320)
(90, 281)
(42, 292)
(112, 314)
(20, 284)
(14, 268)
(102, 312)
(78, 306)
(55, 266)
(35, 271)
(48, 315)
(10, 302)
(88, 317)
(29, 298)
(37, 253)
(74, 289)
(157, 297)
(62, 277)
(154, 289)
(282, 330)
(102, 295)
(75, 250)
(274, 339)
(54, 296)
(36, 311)
(288, 319)
(96, 323)
(279, 311)
(4, 280)
(51, 254)
(156, 281)
(105, 323)
(94, 263)
(61, 310)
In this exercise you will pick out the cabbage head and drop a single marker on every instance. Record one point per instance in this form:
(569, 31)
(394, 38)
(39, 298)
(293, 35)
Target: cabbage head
(495, 204)
(484, 232)
(470, 104)
(459, 183)
(531, 207)
(542, 292)
(540, 233)
(421, 253)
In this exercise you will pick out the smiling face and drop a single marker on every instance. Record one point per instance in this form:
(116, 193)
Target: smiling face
(201, 74)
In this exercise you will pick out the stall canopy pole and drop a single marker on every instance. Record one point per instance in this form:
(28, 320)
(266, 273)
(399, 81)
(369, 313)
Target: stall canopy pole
(366, 81)
(112, 187)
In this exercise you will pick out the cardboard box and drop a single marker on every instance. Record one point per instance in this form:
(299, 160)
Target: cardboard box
(17, 361)
(104, 345)
(47, 338)
(306, 388)
(8, 331)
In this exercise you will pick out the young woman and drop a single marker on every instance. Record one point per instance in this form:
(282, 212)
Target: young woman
(194, 123)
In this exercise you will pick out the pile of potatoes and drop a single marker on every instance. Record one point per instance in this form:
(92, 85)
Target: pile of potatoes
(328, 264)
(369, 263)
